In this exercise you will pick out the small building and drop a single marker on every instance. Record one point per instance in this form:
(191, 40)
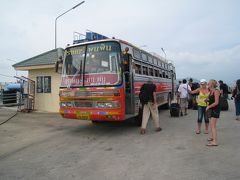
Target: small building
(41, 69)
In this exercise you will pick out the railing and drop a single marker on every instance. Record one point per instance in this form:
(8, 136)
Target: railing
(24, 97)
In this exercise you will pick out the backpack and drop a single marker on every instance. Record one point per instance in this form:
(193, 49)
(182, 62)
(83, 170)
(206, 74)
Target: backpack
(195, 85)
(143, 98)
(237, 97)
(225, 88)
(145, 94)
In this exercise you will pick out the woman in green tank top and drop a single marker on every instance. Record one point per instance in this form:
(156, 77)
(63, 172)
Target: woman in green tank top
(203, 94)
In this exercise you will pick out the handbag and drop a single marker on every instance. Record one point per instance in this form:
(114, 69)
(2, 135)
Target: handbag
(209, 113)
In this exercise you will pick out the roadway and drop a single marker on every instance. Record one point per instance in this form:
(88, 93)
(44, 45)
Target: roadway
(43, 146)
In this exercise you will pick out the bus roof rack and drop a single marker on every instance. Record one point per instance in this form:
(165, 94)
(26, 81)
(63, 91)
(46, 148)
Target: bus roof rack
(90, 36)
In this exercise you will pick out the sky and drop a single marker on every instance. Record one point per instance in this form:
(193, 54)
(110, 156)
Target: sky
(202, 38)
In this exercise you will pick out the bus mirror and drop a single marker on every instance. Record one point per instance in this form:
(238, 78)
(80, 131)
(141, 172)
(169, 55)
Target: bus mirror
(58, 64)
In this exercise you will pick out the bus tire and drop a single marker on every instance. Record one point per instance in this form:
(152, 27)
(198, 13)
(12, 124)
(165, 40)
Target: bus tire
(168, 104)
(95, 122)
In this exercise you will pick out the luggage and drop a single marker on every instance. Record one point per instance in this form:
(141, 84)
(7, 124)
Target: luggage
(223, 104)
(190, 103)
(174, 110)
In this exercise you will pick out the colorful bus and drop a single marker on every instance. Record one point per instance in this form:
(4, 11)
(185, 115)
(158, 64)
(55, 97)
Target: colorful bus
(101, 80)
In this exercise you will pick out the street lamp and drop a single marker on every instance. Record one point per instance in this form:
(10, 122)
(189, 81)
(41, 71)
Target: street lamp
(11, 60)
(164, 53)
(143, 46)
(59, 17)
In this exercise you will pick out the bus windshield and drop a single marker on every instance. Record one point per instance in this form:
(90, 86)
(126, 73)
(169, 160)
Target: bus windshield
(92, 65)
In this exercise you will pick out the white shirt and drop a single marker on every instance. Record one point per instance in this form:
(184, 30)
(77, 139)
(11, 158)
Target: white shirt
(184, 89)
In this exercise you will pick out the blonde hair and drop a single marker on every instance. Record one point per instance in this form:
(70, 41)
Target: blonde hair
(213, 82)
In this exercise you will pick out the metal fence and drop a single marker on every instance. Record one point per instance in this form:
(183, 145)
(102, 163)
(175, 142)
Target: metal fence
(24, 97)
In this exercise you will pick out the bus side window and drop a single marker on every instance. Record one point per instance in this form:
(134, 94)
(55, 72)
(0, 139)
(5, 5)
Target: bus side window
(151, 71)
(160, 73)
(145, 70)
(156, 72)
(137, 68)
(167, 74)
(113, 64)
(163, 74)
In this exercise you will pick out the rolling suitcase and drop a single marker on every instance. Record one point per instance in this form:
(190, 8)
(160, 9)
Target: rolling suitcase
(174, 110)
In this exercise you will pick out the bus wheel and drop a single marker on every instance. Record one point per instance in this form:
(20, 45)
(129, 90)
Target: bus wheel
(138, 118)
(95, 122)
(168, 104)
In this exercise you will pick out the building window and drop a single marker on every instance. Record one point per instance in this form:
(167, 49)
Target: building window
(44, 84)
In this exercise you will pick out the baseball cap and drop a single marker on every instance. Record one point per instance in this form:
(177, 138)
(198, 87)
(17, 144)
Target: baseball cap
(203, 81)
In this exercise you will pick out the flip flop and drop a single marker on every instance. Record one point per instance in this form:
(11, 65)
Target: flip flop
(210, 139)
(198, 132)
(210, 145)
(158, 129)
(142, 131)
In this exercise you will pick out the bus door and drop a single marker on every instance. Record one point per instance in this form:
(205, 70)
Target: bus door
(128, 83)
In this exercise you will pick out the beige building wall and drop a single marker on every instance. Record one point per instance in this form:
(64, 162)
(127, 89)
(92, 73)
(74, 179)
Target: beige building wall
(47, 102)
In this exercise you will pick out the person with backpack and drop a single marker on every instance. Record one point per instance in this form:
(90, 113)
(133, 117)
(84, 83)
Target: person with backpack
(184, 90)
(177, 93)
(190, 96)
(147, 98)
(236, 96)
(223, 89)
(195, 85)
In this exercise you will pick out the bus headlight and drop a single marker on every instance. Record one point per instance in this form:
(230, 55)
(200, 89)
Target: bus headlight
(112, 104)
(63, 105)
(67, 104)
(67, 93)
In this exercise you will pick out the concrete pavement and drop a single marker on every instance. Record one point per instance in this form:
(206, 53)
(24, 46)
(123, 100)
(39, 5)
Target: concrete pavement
(43, 146)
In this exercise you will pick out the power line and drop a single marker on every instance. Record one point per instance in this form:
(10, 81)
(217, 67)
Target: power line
(6, 76)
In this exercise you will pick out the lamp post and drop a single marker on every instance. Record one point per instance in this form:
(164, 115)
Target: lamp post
(143, 46)
(62, 15)
(164, 54)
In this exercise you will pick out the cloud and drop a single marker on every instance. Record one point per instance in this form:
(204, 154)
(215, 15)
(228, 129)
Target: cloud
(197, 35)
(221, 64)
